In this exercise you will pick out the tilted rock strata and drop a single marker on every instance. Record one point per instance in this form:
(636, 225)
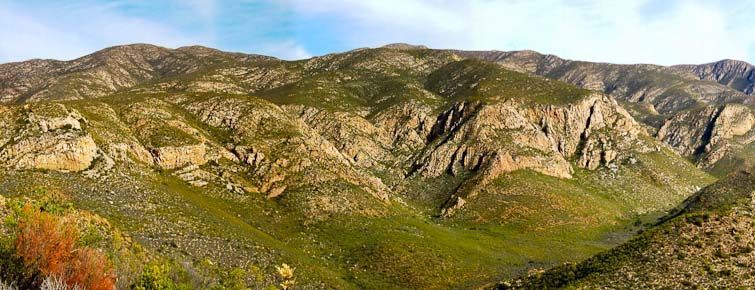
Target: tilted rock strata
(708, 131)
(499, 138)
(675, 92)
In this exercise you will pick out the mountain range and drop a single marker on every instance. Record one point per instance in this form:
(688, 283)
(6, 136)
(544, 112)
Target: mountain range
(391, 167)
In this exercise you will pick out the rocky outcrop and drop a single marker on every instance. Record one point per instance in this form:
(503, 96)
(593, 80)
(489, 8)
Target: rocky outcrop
(637, 82)
(492, 139)
(360, 142)
(369, 120)
(171, 157)
(471, 133)
(689, 132)
(52, 139)
(734, 120)
(408, 124)
(284, 153)
(63, 152)
(708, 133)
(675, 92)
(732, 73)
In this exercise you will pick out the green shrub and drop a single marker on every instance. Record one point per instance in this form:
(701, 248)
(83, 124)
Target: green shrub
(155, 277)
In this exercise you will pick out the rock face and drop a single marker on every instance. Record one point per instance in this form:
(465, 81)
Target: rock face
(347, 158)
(491, 140)
(708, 133)
(738, 75)
(52, 139)
(65, 152)
(667, 98)
(176, 157)
(385, 115)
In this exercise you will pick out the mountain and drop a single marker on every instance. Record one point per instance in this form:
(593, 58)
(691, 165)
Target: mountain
(705, 243)
(105, 72)
(735, 74)
(392, 167)
(704, 111)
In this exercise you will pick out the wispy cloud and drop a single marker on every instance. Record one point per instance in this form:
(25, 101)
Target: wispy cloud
(69, 30)
(666, 32)
(632, 31)
(287, 49)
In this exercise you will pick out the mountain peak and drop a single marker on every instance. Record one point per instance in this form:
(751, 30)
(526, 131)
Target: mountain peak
(404, 46)
(198, 49)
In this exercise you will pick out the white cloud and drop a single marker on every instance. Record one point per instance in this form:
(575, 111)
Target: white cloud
(614, 31)
(35, 34)
(287, 49)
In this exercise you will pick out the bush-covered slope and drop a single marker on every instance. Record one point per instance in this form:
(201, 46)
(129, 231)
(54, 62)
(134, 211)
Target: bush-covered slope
(705, 243)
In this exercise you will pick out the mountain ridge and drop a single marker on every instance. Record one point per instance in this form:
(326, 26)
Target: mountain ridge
(666, 98)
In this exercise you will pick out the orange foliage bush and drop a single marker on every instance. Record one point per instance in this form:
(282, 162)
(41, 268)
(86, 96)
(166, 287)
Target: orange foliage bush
(90, 268)
(46, 243)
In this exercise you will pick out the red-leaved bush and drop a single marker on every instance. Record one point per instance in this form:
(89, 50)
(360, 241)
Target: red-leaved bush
(46, 244)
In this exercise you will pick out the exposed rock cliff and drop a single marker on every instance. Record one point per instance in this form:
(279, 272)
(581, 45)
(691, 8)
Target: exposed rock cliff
(736, 74)
(491, 140)
(341, 164)
(708, 133)
(51, 139)
(663, 95)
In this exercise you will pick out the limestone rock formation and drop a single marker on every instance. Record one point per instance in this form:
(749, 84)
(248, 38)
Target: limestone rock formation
(52, 139)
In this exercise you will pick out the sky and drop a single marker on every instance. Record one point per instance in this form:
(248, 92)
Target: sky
(631, 31)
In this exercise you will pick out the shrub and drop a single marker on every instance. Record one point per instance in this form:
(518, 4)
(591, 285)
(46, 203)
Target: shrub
(91, 269)
(155, 276)
(45, 243)
(235, 279)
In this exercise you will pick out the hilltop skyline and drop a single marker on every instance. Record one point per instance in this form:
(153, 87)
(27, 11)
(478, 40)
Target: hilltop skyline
(658, 32)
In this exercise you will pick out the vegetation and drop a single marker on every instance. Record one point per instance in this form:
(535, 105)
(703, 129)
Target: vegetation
(706, 242)
(475, 79)
(45, 245)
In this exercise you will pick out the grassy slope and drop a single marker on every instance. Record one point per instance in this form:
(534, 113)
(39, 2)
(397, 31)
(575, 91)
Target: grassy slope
(705, 242)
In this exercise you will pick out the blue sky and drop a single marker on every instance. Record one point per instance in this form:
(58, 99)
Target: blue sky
(642, 31)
